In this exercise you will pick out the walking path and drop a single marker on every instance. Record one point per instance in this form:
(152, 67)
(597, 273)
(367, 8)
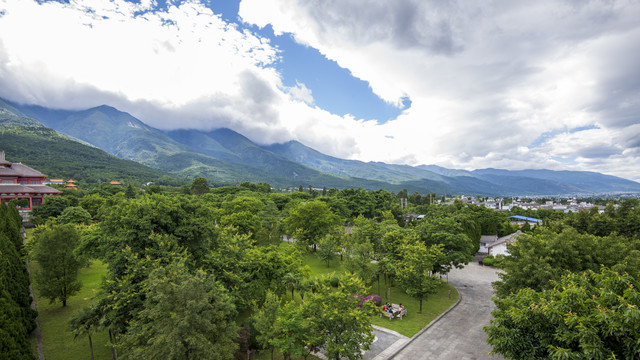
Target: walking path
(459, 333)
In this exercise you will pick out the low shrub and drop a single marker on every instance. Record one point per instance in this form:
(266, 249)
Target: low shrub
(489, 260)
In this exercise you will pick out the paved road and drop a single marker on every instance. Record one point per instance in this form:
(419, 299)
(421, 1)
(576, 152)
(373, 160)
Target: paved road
(459, 334)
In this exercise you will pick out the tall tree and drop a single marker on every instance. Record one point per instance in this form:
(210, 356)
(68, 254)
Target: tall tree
(310, 221)
(327, 248)
(265, 321)
(199, 186)
(85, 322)
(457, 247)
(16, 316)
(74, 215)
(414, 270)
(292, 334)
(340, 319)
(185, 316)
(53, 249)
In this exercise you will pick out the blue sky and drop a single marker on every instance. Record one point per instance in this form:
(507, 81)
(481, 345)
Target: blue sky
(333, 88)
(548, 84)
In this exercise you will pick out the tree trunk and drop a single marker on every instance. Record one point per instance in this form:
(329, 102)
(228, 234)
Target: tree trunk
(292, 289)
(420, 306)
(115, 342)
(272, 348)
(378, 276)
(113, 350)
(91, 346)
(385, 287)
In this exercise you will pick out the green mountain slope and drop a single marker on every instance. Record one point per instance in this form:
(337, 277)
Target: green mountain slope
(229, 146)
(109, 129)
(28, 141)
(224, 156)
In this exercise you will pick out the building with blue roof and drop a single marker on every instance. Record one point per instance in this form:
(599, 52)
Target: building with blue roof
(521, 220)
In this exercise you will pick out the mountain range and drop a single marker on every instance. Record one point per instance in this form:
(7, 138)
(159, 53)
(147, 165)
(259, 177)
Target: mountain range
(224, 156)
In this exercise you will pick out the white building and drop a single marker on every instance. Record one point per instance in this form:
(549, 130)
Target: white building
(500, 246)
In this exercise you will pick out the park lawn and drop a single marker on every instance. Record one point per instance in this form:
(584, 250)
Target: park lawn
(411, 324)
(319, 267)
(58, 342)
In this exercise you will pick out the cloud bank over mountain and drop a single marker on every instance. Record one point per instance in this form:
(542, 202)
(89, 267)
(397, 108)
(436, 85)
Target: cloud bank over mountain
(550, 84)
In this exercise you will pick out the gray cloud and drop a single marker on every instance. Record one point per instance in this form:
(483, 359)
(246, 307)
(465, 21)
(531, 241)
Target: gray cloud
(431, 25)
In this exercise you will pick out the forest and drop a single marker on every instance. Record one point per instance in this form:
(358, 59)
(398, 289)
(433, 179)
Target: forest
(200, 272)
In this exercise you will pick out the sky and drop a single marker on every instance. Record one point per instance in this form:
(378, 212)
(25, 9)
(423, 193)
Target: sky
(461, 84)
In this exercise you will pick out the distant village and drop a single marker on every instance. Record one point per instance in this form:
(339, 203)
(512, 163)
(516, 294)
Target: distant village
(566, 205)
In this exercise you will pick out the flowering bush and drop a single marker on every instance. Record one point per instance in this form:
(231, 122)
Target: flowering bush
(376, 299)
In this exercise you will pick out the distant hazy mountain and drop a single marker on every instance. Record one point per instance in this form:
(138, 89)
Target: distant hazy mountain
(395, 174)
(223, 155)
(542, 180)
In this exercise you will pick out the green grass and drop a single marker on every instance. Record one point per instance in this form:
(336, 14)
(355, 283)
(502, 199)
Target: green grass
(58, 342)
(432, 307)
(319, 267)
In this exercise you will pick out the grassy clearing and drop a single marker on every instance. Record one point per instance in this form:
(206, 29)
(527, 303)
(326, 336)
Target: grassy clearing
(58, 342)
(432, 307)
(319, 267)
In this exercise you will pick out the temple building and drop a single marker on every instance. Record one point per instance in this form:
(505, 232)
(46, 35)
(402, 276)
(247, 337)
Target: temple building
(19, 181)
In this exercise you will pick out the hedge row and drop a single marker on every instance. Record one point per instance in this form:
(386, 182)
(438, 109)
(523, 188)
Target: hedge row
(16, 315)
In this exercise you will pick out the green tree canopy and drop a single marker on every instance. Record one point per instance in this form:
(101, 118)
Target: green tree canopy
(538, 259)
(584, 316)
(199, 186)
(185, 316)
(16, 316)
(53, 249)
(340, 319)
(310, 221)
(75, 215)
(413, 271)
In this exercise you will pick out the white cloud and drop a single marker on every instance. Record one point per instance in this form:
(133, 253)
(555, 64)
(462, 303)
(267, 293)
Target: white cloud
(300, 93)
(486, 80)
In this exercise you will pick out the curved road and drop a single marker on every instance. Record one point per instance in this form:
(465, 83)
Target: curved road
(459, 334)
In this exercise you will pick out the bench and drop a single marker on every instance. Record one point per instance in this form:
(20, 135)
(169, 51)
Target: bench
(396, 313)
